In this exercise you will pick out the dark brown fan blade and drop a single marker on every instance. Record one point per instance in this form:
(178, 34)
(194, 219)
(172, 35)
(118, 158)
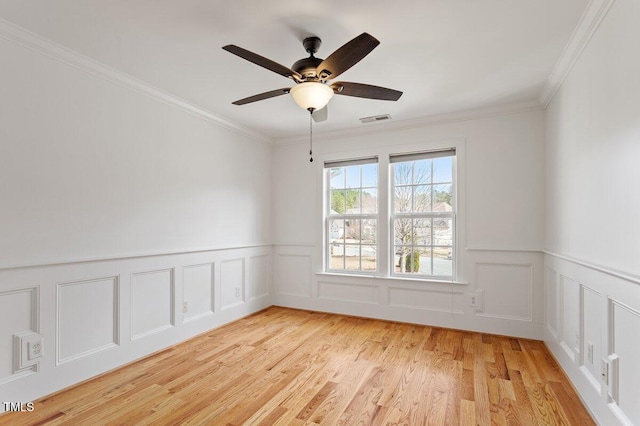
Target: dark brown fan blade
(262, 61)
(365, 91)
(320, 115)
(346, 56)
(262, 96)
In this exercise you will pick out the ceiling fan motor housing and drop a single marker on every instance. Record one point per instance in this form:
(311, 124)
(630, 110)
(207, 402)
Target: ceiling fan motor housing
(307, 67)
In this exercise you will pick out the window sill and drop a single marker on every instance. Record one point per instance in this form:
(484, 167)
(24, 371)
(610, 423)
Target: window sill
(391, 278)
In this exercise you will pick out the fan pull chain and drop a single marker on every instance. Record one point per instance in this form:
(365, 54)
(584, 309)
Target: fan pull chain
(310, 135)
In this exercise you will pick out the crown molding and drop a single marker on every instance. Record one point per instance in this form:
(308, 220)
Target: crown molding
(35, 42)
(587, 26)
(431, 120)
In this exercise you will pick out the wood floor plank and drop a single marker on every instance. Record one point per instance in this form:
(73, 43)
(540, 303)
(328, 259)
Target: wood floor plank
(292, 367)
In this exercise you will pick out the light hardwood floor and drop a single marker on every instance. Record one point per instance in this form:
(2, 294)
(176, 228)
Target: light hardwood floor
(293, 367)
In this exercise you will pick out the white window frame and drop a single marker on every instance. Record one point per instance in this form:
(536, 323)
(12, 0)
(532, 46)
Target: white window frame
(328, 165)
(385, 244)
(393, 216)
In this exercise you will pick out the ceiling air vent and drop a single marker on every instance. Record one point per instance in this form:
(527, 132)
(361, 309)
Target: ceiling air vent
(375, 118)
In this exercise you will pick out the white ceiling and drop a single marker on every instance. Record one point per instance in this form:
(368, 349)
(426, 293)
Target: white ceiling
(445, 55)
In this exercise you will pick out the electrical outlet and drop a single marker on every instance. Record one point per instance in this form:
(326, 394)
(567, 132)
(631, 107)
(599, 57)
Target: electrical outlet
(475, 299)
(34, 349)
(28, 348)
(237, 291)
(185, 307)
(604, 370)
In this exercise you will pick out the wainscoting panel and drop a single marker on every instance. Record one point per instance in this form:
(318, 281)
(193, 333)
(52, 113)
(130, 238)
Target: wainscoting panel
(19, 314)
(94, 316)
(294, 274)
(232, 282)
(427, 300)
(360, 293)
(152, 302)
(599, 321)
(259, 277)
(87, 317)
(511, 284)
(508, 290)
(624, 380)
(591, 315)
(570, 299)
(552, 308)
(198, 291)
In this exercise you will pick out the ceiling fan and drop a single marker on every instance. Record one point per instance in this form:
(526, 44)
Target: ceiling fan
(311, 75)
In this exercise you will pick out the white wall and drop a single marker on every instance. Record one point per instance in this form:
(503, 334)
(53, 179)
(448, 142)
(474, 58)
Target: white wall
(118, 207)
(592, 210)
(92, 169)
(501, 165)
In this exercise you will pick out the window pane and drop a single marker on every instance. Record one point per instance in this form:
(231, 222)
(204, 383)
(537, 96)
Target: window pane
(399, 255)
(336, 256)
(351, 230)
(369, 232)
(353, 201)
(443, 232)
(353, 176)
(336, 230)
(369, 200)
(442, 198)
(338, 202)
(352, 257)
(425, 261)
(369, 258)
(370, 175)
(416, 261)
(422, 198)
(402, 231)
(443, 169)
(422, 171)
(402, 173)
(337, 177)
(422, 232)
(443, 261)
(402, 199)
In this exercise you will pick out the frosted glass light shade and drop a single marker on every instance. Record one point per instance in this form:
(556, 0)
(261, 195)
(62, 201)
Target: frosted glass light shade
(311, 95)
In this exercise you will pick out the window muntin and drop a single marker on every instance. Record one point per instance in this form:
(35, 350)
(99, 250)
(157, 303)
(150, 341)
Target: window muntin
(422, 214)
(352, 218)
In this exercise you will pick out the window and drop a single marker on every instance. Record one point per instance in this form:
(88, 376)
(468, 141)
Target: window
(393, 217)
(422, 213)
(352, 219)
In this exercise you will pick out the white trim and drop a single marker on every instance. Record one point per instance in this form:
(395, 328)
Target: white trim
(589, 22)
(293, 244)
(397, 279)
(613, 272)
(505, 249)
(432, 120)
(35, 42)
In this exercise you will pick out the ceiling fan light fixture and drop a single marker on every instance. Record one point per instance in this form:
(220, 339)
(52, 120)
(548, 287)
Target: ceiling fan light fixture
(311, 95)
